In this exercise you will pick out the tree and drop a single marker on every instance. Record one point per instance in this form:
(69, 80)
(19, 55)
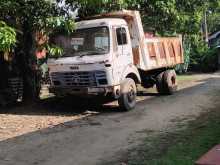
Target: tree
(163, 16)
(29, 17)
(213, 18)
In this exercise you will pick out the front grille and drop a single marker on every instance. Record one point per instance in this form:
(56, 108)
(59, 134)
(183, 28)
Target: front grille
(77, 79)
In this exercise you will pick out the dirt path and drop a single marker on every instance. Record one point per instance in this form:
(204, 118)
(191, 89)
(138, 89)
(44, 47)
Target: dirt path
(82, 138)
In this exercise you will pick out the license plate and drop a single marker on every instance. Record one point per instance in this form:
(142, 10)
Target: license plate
(95, 90)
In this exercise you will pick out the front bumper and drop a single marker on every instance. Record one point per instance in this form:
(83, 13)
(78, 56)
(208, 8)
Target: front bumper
(82, 91)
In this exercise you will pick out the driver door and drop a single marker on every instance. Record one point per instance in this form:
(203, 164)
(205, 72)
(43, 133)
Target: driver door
(123, 56)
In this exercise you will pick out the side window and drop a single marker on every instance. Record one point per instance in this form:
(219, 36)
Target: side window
(121, 36)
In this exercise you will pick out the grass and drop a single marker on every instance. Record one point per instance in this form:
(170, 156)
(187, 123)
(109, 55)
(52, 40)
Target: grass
(180, 148)
(184, 77)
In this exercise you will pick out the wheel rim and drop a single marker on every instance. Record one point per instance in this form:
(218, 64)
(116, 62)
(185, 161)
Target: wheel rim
(131, 95)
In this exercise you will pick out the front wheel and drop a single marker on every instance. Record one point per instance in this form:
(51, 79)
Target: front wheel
(127, 100)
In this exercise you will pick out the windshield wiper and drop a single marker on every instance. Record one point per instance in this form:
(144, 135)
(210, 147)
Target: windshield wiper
(91, 53)
(82, 55)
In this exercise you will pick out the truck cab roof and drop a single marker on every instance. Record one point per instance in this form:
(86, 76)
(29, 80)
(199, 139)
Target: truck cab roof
(100, 22)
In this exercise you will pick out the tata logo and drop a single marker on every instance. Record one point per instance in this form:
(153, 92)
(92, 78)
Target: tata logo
(76, 79)
(74, 68)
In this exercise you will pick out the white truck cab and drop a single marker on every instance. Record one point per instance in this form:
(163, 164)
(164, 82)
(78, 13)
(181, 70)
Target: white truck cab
(98, 59)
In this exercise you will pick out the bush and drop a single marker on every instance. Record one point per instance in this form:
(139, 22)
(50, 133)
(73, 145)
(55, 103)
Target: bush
(208, 62)
(198, 56)
(7, 37)
(202, 58)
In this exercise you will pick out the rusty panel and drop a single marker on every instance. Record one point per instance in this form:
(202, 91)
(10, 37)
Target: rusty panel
(136, 55)
(161, 50)
(171, 49)
(178, 49)
(179, 46)
(151, 50)
(175, 45)
(166, 51)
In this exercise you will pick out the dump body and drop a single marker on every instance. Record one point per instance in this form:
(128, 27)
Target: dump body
(149, 53)
(164, 52)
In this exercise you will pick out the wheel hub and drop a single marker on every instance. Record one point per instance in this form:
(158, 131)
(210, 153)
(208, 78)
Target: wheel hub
(131, 95)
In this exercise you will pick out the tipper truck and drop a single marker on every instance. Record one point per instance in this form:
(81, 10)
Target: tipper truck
(109, 55)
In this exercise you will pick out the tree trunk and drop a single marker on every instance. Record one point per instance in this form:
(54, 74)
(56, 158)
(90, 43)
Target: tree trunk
(29, 69)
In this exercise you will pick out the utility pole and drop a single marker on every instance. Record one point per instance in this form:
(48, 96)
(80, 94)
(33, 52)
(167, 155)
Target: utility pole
(206, 29)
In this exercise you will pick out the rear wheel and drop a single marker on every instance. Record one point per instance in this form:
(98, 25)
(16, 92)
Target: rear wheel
(166, 82)
(170, 82)
(160, 83)
(127, 100)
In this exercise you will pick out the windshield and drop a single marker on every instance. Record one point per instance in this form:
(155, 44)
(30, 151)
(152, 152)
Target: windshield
(84, 42)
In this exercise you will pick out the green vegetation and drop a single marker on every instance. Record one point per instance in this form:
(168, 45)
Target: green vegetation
(183, 147)
(55, 51)
(204, 59)
(32, 21)
(214, 21)
(7, 37)
(184, 77)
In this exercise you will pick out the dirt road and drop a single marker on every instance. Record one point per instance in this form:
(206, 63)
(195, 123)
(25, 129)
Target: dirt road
(82, 137)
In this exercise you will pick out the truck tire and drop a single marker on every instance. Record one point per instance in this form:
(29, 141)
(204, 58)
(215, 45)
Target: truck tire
(170, 82)
(160, 83)
(127, 100)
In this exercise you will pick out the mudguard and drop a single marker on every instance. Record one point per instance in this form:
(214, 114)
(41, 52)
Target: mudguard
(130, 69)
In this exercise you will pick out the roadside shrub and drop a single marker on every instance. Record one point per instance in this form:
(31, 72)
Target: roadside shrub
(202, 58)
(7, 37)
(198, 56)
(199, 48)
(208, 62)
